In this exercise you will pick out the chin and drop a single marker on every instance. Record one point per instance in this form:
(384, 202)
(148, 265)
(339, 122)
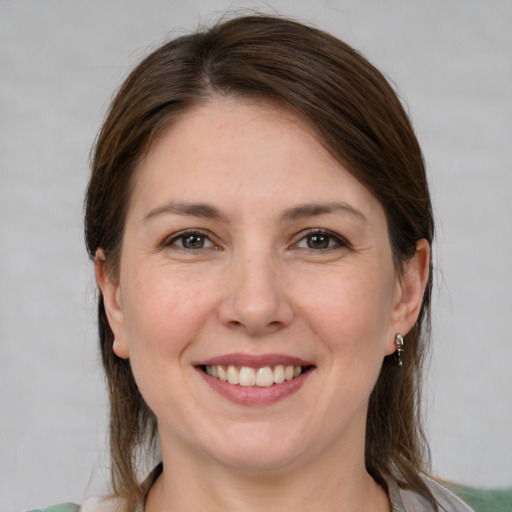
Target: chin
(258, 462)
(257, 451)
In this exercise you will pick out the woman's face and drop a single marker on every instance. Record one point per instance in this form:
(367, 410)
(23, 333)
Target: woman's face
(249, 254)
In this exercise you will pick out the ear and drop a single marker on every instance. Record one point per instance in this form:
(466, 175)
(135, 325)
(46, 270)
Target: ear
(409, 292)
(111, 293)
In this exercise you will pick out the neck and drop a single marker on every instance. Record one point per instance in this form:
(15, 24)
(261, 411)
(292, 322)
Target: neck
(330, 486)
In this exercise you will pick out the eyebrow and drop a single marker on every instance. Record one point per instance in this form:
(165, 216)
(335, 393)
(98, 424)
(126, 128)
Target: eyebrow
(206, 211)
(314, 209)
(201, 210)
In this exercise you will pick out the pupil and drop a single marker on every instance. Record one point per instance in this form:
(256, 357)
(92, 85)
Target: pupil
(318, 242)
(193, 242)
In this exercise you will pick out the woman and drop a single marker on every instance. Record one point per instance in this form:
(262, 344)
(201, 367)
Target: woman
(260, 222)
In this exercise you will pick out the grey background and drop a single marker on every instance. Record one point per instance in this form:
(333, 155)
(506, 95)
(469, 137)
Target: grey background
(60, 62)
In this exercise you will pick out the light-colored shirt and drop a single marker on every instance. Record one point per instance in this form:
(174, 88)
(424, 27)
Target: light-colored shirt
(401, 501)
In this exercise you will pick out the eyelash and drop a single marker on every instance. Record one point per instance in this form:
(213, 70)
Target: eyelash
(188, 234)
(337, 240)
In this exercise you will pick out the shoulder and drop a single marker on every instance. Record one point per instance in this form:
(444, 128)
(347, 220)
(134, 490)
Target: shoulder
(446, 499)
(480, 498)
(63, 507)
(95, 504)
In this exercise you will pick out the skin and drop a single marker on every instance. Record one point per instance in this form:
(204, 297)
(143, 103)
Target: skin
(257, 284)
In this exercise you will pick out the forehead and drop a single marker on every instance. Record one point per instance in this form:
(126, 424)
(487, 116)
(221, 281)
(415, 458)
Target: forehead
(212, 126)
(249, 149)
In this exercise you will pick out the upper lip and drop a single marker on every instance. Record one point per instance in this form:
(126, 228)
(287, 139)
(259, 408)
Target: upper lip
(255, 361)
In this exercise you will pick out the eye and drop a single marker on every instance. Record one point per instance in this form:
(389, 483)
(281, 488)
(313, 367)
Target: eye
(321, 240)
(191, 240)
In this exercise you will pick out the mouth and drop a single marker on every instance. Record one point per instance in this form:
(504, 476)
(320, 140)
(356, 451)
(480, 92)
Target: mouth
(255, 380)
(255, 376)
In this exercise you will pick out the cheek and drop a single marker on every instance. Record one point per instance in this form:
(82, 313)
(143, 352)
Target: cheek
(163, 312)
(349, 310)
(164, 317)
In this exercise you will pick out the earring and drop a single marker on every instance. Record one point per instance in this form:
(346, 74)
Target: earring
(399, 343)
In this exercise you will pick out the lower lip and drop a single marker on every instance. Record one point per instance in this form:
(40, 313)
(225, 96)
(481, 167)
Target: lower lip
(255, 395)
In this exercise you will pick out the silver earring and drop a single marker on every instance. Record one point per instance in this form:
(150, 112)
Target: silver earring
(399, 343)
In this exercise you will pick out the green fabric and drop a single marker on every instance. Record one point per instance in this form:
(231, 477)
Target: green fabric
(485, 500)
(63, 507)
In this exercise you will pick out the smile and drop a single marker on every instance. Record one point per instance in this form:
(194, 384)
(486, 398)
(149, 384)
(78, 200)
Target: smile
(246, 376)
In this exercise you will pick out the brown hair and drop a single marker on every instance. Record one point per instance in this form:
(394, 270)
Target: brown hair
(359, 119)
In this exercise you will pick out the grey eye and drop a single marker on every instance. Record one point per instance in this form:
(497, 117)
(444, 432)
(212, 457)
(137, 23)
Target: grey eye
(193, 241)
(318, 241)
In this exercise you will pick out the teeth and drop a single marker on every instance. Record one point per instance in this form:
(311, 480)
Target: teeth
(247, 376)
(265, 377)
(279, 374)
(223, 376)
(233, 375)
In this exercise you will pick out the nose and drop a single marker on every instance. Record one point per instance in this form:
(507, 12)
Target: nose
(255, 298)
